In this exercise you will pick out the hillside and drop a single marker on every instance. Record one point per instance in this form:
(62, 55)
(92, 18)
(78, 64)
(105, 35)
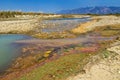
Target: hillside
(91, 10)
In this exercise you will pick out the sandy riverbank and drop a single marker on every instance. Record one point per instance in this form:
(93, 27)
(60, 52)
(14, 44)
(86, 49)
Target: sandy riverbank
(26, 23)
(17, 26)
(97, 70)
(97, 22)
(105, 69)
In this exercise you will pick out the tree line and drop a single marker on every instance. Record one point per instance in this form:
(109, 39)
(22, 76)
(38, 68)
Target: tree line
(11, 14)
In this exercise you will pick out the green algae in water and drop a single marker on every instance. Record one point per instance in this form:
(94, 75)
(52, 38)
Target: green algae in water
(9, 51)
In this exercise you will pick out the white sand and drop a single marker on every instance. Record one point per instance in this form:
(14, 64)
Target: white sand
(105, 69)
(17, 26)
(97, 21)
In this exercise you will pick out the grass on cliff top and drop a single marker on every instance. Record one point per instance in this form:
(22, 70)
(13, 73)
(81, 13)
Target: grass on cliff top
(58, 69)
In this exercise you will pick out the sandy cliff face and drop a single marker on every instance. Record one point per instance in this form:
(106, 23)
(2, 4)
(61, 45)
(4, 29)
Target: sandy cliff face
(105, 69)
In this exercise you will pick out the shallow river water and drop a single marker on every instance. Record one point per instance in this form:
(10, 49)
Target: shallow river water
(59, 25)
(9, 51)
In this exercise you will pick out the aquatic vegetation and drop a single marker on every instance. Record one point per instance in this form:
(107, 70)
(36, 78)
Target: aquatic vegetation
(89, 49)
(25, 62)
(66, 65)
(54, 35)
(65, 59)
(47, 54)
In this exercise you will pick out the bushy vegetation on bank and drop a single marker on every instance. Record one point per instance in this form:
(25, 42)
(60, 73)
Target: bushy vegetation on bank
(9, 14)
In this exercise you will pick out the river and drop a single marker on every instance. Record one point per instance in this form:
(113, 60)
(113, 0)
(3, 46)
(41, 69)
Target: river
(9, 50)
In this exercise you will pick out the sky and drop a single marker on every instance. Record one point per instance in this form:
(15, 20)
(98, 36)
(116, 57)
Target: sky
(53, 5)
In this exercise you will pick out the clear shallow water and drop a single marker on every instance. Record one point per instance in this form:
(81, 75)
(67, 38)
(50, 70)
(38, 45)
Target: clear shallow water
(63, 24)
(8, 50)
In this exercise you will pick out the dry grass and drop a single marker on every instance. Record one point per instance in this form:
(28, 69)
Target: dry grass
(83, 28)
(54, 35)
(109, 30)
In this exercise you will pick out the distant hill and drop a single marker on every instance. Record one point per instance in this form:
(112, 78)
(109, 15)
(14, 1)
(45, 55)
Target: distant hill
(91, 10)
